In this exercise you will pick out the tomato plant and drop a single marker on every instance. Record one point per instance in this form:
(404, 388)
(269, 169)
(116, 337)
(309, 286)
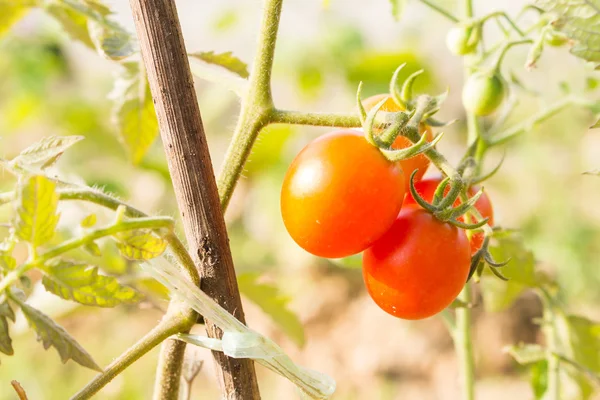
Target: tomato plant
(340, 195)
(419, 162)
(418, 267)
(426, 188)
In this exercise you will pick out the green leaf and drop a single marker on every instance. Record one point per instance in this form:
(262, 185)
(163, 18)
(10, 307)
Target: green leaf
(579, 340)
(83, 284)
(72, 22)
(7, 262)
(499, 295)
(579, 20)
(52, 334)
(539, 378)
(89, 21)
(5, 340)
(397, 8)
(11, 13)
(36, 211)
(6, 311)
(140, 244)
(89, 221)
(226, 60)
(526, 353)
(46, 150)
(133, 112)
(273, 303)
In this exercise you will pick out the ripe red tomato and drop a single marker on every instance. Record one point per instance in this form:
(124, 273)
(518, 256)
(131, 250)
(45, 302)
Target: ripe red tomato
(420, 161)
(418, 267)
(340, 194)
(426, 188)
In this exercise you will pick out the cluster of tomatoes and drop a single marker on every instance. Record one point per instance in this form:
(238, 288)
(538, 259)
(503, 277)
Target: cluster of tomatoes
(341, 196)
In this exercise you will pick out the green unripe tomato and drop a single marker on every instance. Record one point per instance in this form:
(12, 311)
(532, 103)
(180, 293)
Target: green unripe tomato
(462, 40)
(483, 93)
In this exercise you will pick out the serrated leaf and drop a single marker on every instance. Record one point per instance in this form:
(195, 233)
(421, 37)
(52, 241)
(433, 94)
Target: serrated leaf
(52, 334)
(140, 245)
(579, 20)
(520, 271)
(114, 44)
(46, 150)
(72, 22)
(273, 303)
(10, 14)
(89, 22)
(5, 340)
(133, 112)
(397, 8)
(83, 284)
(89, 221)
(36, 210)
(526, 353)
(93, 249)
(226, 60)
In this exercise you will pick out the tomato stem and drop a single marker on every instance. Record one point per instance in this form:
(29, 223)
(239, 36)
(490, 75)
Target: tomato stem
(464, 344)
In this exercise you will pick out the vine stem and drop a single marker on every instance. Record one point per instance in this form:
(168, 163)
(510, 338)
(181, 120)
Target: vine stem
(462, 335)
(464, 344)
(552, 344)
(177, 319)
(257, 104)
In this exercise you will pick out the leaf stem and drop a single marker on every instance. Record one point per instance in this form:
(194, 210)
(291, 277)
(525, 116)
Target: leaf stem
(529, 123)
(441, 10)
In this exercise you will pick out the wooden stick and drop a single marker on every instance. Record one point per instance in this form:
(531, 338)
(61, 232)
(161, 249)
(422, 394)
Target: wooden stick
(165, 59)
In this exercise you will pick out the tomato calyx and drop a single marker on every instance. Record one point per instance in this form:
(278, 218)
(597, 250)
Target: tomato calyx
(403, 123)
(441, 207)
(483, 257)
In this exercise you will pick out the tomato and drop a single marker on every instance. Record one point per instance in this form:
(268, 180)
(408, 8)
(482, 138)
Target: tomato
(420, 162)
(460, 40)
(426, 188)
(340, 194)
(483, 93)
(418, 267)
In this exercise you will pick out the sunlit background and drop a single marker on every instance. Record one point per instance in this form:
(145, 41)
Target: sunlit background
(50, 85)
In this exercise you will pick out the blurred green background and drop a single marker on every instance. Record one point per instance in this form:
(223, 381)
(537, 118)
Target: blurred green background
(50, 85)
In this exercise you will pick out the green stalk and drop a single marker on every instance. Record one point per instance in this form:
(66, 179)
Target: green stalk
(462, 335)
(463, 342)
(552, 344)
(257, 105)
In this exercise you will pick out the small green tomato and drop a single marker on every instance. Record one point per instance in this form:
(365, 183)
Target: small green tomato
(462, 40)
(483, 93)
